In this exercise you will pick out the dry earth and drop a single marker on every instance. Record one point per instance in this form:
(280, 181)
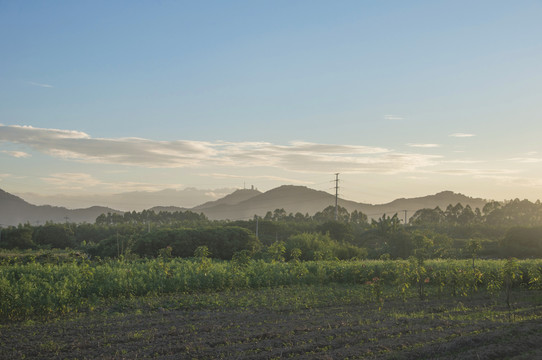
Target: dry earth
(460, 328)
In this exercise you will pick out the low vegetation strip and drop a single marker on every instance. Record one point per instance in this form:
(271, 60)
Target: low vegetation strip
(46, 289)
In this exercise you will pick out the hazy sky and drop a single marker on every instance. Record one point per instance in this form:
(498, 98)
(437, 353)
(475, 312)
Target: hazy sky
(403, 98)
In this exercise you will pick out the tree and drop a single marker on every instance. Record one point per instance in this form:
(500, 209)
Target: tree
(357, 217)
(17, 237)
(428, 217)
(422, 246)
(386, 225)
(299, 217)
(337, 230)
(466, 216)
(452, 213)
(279, 214)
(473, 247)
(57, 236)
(329, 214)
(490, 207)
(276, 251)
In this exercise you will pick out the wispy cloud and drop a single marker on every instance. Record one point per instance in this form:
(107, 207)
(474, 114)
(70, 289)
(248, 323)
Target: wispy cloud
(508, 180)
(83, 181)
(72, 180)
(477, 172)
(461, 135)
(17, 154)
(424, 145)
(40, 84)
(258, 177)
(463, 161)
(526, 160)
(393, 117)
(295, 156)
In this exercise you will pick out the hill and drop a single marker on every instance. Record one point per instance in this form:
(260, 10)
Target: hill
(132, 200)
(234, 198)
(239, 205)
(14, 211)
(441, 199)
(301, 199)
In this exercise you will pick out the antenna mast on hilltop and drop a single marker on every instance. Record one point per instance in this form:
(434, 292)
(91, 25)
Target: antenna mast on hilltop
(336, 196)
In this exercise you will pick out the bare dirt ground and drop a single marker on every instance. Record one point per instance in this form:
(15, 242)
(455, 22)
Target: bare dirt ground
(458, 328)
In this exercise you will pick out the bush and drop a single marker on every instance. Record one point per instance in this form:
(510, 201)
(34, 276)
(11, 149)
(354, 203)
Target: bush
(317, 246)
(222, 242)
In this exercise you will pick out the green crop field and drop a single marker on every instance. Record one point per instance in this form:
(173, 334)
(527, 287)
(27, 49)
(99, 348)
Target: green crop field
(244, 308)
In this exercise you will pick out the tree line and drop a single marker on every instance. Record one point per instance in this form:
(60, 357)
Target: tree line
(512, 228)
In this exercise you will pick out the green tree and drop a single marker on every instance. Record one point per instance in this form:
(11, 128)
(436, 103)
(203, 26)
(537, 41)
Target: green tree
(279, 214)
(473, 247)
(57, 236)
(428, 217)
(357, 217)
(386, 225)
(337, 230)
(276, 251)
(328, 214)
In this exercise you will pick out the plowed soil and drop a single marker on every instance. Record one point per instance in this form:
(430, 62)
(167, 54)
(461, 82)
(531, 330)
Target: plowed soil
(477, 327)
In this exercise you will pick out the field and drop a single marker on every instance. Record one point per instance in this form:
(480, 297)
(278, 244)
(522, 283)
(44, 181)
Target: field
(278, 323)
(312, 310)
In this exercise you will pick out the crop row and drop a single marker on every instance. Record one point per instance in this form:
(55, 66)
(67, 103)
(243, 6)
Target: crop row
(43, 289)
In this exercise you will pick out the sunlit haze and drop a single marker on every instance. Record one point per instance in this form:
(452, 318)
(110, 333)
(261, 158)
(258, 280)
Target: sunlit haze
(402, 98)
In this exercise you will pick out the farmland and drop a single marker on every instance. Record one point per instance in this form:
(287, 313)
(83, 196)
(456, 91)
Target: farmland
(300, 287)
(203, 308)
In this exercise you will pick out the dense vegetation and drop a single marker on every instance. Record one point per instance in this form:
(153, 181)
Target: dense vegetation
(512, 228)
(46, 287)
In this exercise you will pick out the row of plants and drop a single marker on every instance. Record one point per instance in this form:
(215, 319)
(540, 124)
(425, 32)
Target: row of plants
(34, 288)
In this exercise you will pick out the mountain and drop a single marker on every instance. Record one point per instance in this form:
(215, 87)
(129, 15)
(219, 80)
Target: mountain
(290, 198)
(441, 199)
(14, 211)
(234, 198)
(301, 199)
(132, 200)
(238, 205)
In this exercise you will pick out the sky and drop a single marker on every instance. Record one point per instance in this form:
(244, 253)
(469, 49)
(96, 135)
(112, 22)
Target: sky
(401, 98)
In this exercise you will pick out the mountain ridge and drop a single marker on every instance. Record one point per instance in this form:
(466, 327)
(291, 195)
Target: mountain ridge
(294, 198)
(241, 204)
(14, 210)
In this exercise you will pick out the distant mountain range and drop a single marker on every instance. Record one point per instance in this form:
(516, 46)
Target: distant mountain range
(301, 199)
(131, 200)
(14, 211)
(239, 205)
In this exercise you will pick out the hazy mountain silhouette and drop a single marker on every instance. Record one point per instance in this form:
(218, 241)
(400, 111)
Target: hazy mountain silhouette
(301, 199)
(132, 200)
(14, 211)
(239, 205)
(234, 198)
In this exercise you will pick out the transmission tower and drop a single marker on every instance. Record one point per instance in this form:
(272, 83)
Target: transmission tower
(336, 196)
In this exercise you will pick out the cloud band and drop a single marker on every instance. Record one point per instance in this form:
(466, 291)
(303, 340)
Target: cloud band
(295, 156)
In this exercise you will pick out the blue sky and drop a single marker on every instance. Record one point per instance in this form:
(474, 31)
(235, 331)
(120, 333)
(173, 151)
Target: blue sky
(402, 98)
